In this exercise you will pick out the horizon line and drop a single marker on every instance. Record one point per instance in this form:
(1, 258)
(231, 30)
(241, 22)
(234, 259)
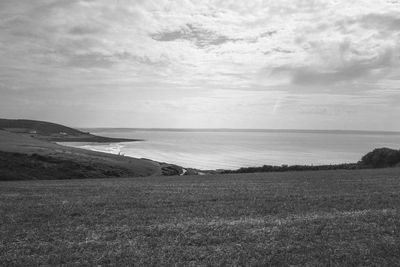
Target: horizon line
(243, 129)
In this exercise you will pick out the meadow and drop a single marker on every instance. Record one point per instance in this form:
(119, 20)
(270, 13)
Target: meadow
(337, 218)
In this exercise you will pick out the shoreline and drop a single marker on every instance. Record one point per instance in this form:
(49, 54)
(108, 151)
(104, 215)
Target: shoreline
(37, 154)
(185, 170)
(23, 157)
(118, 146)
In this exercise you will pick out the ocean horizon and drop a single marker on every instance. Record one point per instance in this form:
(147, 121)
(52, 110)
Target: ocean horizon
(112, 129)
(210, 149)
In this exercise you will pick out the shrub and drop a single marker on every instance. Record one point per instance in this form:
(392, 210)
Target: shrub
(381, 157)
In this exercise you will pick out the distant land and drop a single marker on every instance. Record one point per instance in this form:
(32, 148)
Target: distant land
(28, 152)
(54, 132)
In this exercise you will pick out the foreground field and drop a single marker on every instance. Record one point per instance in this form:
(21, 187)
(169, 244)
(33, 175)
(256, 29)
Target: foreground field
(294, 218)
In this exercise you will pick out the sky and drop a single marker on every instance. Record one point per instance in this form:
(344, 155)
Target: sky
(287, 64)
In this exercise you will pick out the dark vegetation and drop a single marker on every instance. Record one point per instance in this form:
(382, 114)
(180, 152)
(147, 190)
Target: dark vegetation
(54, 132)
(381, 158)
(285, 168)
(18, 166)
(319, 218)
(378, 158)
(170, 169)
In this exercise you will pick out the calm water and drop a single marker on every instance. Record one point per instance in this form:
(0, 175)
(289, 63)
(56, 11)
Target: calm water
(233, 149)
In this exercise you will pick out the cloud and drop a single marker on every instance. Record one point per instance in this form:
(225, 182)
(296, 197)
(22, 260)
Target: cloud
(389, 22)
(90, 61)
(202, 37)
(165, 49)
(199, 36)
(85, 30)
(364, 48)
(376, 68)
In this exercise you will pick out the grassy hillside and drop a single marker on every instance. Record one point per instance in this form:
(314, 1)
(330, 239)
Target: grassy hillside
(24, 157)
(53, 132)
(319, 218)
(46, 128)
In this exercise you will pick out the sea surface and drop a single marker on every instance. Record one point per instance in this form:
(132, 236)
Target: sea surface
(232, 149)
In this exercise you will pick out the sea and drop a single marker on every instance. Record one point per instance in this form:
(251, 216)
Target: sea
(207, 149)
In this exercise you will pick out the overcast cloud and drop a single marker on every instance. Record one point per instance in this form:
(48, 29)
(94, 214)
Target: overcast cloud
(236, 64)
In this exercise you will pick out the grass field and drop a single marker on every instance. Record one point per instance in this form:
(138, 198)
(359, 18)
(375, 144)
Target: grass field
(294, 218)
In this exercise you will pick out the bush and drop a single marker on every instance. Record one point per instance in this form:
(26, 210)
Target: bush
(381, 157)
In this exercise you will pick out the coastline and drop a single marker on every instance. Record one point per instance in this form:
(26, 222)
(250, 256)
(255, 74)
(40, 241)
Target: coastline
(47, 152)
(175, 169)
(25, 157)
(210, 150)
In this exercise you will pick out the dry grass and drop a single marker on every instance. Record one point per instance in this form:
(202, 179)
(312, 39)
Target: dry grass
(295, 218)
